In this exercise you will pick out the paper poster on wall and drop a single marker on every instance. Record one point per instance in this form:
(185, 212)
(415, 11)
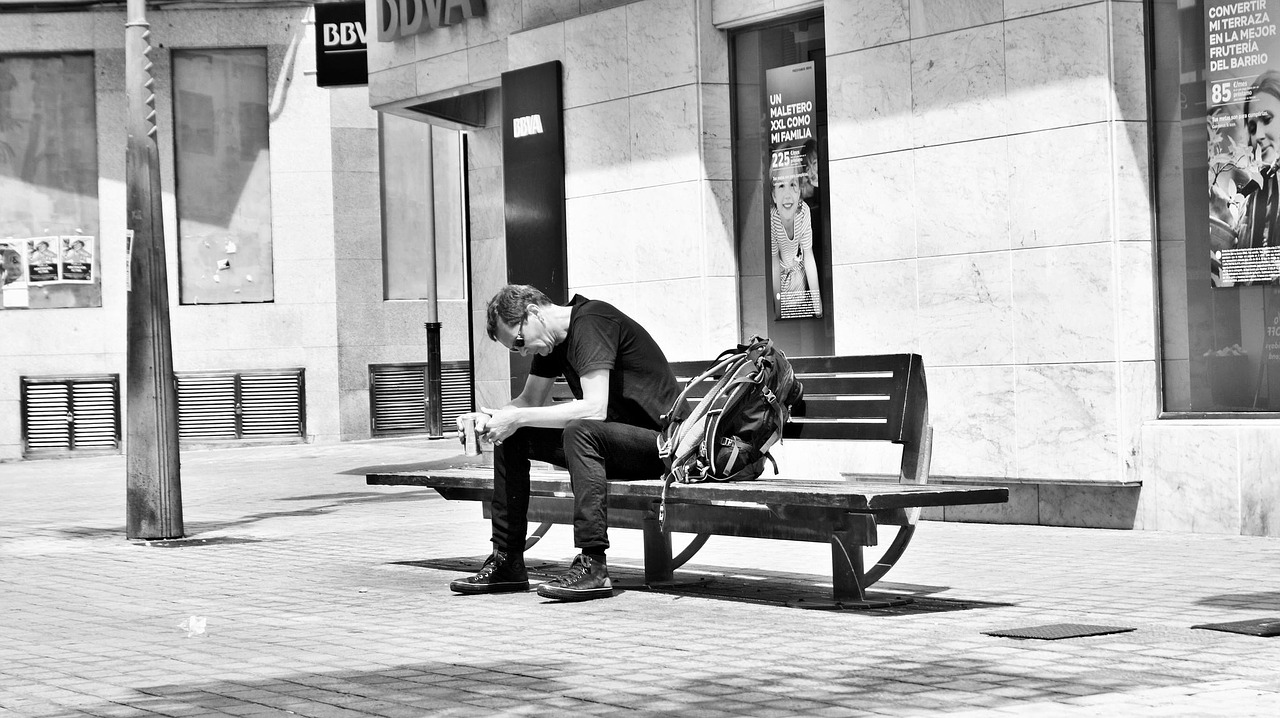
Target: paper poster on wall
(793, 181)
(13, 263)
(1243, 108)
(42, 259)
(13, 274)
(77, 259)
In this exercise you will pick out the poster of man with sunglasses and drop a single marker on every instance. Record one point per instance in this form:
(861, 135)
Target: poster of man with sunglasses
(622, 385)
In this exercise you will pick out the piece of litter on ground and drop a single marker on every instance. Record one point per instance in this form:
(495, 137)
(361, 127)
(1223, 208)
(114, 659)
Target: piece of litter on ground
(194, 625)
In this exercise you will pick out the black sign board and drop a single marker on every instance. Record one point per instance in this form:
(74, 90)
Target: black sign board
(533, 179)
(341, 50)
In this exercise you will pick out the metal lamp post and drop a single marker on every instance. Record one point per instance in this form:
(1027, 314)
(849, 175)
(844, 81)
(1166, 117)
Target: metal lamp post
(154, 494)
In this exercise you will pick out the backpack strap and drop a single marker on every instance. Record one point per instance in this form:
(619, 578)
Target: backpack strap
(669, 440)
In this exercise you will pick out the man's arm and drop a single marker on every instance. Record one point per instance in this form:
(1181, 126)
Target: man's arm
(536, 392)
(594, 404)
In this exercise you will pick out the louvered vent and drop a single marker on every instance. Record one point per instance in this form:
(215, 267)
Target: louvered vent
(398, 396)
(206, 407)
(70, 414)
(271, 404)
(228, 406)
(455, 391)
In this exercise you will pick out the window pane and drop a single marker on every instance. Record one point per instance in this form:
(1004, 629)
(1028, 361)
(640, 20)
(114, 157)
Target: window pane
(1220, 339)
(223, 176)
(417, 199)
(48, 181)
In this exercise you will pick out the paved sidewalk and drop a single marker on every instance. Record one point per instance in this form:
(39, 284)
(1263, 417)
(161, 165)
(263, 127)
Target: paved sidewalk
(320, 596)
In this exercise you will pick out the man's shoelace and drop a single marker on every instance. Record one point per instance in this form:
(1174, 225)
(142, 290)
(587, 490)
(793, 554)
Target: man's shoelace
(577, 572)
(488, 568)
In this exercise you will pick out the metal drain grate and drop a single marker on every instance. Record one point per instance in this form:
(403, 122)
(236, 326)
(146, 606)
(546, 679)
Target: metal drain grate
(1056, 631)
(1264, 627)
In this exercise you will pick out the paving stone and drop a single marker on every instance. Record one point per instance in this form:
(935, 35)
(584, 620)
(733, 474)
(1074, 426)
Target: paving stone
(327, 597)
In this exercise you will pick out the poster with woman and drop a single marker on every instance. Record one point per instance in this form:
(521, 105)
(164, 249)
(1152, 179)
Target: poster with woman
(1243, 110)
(77, 259)
(793, 180)
(42, 260)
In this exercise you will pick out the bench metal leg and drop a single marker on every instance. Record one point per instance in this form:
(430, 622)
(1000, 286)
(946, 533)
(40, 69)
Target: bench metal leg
(849, 578)
(659, 566)
(891, 554)
(538, 533)
(657, 553)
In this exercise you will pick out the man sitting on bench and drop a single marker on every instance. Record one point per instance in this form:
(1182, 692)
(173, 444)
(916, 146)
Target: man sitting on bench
(622, 386)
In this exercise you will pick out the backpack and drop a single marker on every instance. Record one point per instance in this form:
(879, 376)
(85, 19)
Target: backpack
(727, 434)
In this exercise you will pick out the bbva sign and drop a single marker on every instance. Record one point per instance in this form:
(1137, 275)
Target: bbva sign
(401, 18)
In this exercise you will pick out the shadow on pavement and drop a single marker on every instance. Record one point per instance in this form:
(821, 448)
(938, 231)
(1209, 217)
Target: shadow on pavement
(335, 501)
(731, 584)
(1264, 600)
(569, 684)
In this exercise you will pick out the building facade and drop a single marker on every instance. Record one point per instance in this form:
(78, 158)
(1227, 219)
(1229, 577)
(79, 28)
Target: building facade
(990, 203)
(1014, 190)
(283, 310)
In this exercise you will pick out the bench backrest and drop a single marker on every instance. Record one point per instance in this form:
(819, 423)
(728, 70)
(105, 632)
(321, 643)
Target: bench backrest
(879, 397)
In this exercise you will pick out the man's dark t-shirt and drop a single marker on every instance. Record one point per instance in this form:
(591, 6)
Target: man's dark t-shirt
(641, 385)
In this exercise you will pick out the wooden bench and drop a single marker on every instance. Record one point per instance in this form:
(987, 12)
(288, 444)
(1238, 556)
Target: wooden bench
(849, 398)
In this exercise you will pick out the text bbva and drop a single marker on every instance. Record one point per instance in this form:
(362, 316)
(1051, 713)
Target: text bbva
(400, 18)
(528, 125)
(343, 33)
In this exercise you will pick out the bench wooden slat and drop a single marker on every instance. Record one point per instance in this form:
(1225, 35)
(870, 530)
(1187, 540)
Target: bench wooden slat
(860, 497)
(829, 407)
(850, 385)
(879, 431)
(855, 364)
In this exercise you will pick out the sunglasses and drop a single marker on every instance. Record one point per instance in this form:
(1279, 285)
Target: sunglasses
(518, 343)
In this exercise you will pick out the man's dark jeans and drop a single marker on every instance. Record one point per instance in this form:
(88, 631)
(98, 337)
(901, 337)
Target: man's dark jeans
(593, 451)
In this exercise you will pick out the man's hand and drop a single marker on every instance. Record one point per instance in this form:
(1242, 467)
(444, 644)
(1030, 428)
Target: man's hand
(479, 417)
(501, 424)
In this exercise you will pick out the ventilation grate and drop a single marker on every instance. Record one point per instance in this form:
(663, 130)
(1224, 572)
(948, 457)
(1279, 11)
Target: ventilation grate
(206, 407)
(398, 396)
(271, 404)
(229, 406)
(70, 414)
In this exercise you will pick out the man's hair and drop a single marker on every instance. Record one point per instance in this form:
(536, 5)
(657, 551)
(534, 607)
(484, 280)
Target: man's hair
(510, 304)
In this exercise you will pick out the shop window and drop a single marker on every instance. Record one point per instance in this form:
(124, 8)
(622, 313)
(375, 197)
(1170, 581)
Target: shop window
(422, 197)
(782, 206)
(1216, 132)
(48, 183)
(64, 415)
(398, 401)
(223, 167)
(230, 406)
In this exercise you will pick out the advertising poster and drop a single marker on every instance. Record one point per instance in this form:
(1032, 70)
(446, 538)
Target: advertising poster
(1243, 108)
(1271, 346)
(13, 263)
(793, 179)
(77, 259)
(13, 274)
(42, 259)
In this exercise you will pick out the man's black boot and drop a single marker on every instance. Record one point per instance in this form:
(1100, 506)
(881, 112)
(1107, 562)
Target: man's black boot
(587, 578)
(500, 574)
